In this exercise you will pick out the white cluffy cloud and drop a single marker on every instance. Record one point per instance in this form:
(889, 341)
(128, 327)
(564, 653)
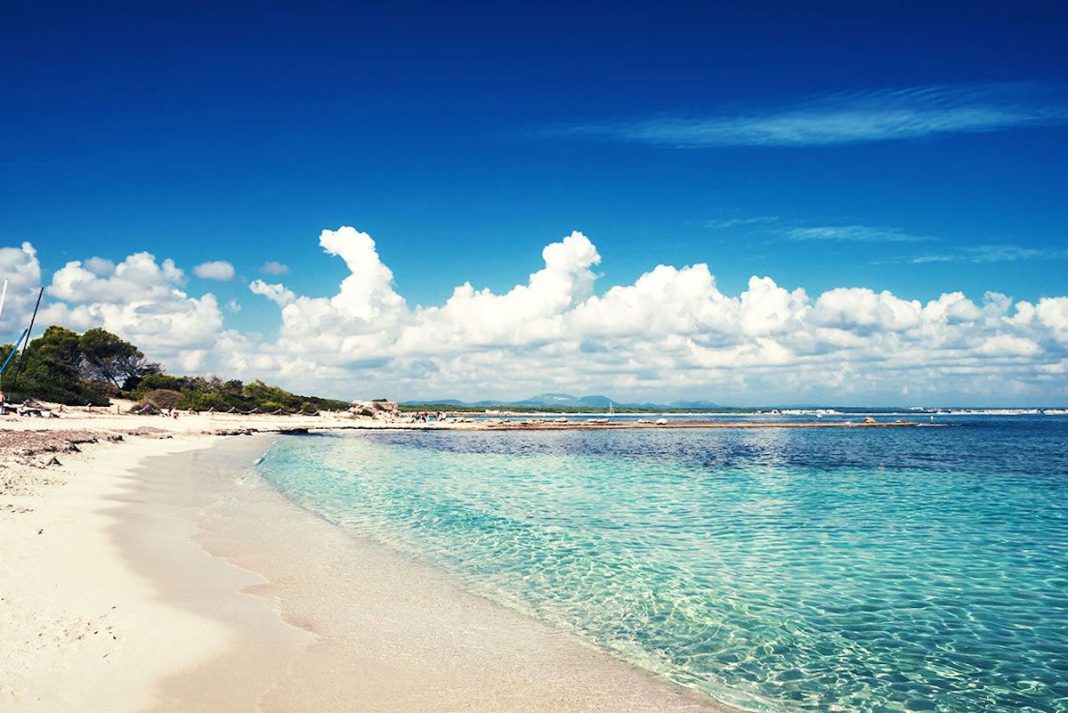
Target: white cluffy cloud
(215, 270)
(272, 267)
(275, 293)
(20, 268)
(669, 334)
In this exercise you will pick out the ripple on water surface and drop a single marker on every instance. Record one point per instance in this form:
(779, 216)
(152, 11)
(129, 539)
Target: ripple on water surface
(875, 570)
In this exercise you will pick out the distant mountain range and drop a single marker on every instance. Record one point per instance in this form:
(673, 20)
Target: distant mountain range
(561, 400)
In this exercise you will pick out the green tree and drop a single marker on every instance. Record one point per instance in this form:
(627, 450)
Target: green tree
(51, 371)
(106, 357)
(60, 348)
(63, 367)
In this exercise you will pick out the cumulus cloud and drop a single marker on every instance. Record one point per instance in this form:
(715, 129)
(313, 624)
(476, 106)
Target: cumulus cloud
(22, 271)
(271, 267)
(275, 293)
(670, 333)
(215, 270)
(101, 267)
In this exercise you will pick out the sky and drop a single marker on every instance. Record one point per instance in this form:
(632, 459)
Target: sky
(745, 202)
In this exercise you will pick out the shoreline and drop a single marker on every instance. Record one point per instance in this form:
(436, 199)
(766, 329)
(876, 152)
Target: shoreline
(384, 632)
(159, 526)
(236, 425)
(228, 587)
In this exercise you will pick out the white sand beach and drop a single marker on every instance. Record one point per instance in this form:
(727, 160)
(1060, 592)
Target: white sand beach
(80, 628)
(157, 573)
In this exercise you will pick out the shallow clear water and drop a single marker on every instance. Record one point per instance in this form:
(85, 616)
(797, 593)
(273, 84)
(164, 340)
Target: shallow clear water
(826, 569)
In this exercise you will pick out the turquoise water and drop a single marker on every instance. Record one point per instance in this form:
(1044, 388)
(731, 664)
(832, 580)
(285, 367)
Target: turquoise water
(778, 570)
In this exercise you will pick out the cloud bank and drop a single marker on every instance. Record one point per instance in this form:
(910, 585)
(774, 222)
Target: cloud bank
(670, 333)
(847, 118)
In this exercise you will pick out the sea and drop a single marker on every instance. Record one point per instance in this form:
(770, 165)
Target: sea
(865, 569)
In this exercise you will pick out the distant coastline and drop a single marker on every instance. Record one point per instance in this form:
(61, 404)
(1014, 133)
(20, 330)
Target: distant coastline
(514, 409)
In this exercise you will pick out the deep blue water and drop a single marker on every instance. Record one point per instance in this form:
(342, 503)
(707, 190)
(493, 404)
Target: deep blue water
(779, 569)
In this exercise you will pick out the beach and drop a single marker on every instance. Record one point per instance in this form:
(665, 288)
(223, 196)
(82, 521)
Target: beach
(272, 563)
(146, 568)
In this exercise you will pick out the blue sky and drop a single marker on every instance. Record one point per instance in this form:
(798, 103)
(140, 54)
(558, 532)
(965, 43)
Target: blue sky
(918, 148)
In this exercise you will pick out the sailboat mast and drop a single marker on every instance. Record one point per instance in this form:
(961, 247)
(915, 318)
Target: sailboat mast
(14, 351)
